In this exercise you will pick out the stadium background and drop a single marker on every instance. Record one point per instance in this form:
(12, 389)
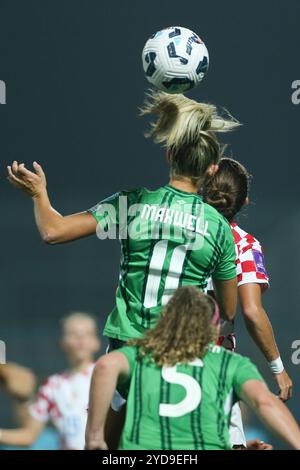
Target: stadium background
(74, 82)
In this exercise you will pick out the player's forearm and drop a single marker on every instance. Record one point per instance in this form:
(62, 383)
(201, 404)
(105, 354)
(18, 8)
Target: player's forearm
(276, 416)
(257, 321)
(48, 220)
(226, 296)
(260, 329)
(22, 437)
(103, 385)
(20, 412)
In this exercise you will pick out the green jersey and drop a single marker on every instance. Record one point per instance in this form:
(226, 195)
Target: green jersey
(186, 407)
(169, 238)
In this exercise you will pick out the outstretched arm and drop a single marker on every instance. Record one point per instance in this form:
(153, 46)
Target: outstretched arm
(19, 382)
(260, 329)
(104, 381)
(53, 227)
(272, 412)
(23, 436)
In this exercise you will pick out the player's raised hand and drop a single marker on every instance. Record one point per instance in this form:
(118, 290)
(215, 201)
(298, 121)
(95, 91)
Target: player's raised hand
(285, 385)
(32, 183)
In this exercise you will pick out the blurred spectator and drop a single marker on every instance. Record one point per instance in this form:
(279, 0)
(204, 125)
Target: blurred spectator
(62, 399)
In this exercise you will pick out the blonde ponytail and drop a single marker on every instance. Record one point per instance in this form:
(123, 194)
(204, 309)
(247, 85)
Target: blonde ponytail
(188, 128)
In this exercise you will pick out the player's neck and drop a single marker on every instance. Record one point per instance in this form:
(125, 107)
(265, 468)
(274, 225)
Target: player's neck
(184, 184)
(79, 366)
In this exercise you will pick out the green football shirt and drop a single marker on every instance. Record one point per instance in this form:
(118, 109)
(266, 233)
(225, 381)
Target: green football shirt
(169, 238)
(186, 407)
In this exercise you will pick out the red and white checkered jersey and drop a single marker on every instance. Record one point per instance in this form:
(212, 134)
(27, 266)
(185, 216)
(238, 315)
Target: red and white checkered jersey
(250, 267)
(63, 400)
(250, 263)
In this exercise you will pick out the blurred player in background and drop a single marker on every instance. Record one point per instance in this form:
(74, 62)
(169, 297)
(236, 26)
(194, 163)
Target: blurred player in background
(63, 398)
(181, 385)
(228, 192)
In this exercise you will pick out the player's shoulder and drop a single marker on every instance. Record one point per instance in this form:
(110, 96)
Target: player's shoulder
(130, 193)
(223, 353)
(217, 350)
(59, 379)
(244, 238)
(129, 350)
(54, 381)
(133, 354)
(133, 195)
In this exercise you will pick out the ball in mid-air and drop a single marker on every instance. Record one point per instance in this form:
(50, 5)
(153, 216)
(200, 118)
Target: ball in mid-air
(175, 59)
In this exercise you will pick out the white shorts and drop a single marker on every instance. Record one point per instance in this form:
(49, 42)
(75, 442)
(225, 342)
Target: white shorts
(236, 428)
(118, 401)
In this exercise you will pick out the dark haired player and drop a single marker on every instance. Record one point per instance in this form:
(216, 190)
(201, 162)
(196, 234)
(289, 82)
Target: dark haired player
(228, 192)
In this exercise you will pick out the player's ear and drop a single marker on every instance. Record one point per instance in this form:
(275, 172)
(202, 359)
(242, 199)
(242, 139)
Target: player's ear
(169, 155)
(212, 169)
(247, 201)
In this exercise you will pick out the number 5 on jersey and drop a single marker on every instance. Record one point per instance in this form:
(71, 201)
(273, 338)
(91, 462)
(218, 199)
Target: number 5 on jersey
(193, 392)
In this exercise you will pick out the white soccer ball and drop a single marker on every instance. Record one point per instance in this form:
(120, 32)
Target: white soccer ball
(175, 59)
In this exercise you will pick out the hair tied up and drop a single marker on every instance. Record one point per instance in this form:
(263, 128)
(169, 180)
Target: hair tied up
(220, 200)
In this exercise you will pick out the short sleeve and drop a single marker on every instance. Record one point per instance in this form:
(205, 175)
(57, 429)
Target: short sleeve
(226, 268)
(130, 352)
(245, 371)
(40, 409)
(106, 212)
(251, 266)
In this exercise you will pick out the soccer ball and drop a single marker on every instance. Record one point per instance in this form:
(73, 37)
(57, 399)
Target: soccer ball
(175, 59)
